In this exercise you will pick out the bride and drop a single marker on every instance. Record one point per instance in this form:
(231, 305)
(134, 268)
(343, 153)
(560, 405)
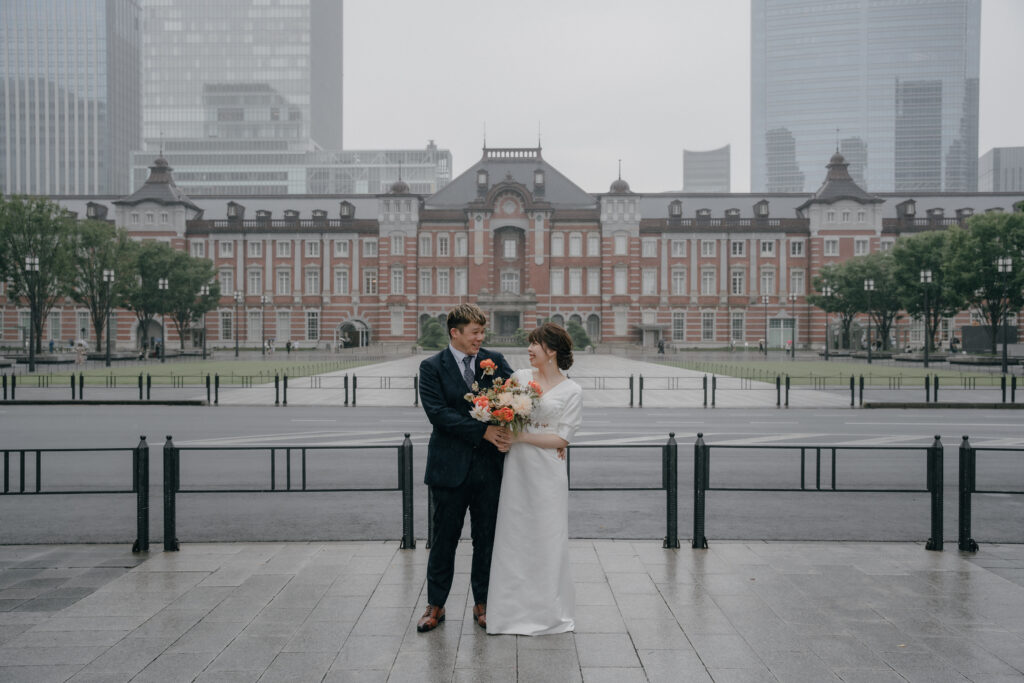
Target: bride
(531, 591)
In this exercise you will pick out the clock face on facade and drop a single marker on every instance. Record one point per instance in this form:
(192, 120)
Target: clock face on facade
(508, 206)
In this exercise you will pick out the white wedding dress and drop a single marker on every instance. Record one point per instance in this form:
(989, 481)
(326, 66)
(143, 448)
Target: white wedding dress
(531, 590)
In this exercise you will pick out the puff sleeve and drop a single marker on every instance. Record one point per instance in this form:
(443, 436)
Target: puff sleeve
(572, 413)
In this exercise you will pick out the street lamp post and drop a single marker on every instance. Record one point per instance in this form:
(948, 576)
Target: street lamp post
(764, 300)
(826, 291)
(926, 280)
(792, 315)
(31, 271)
(204, 292)
(263, 326)
(238, 300)
(162, 285)
(108, 277)
(869, 286)
(1005, 265)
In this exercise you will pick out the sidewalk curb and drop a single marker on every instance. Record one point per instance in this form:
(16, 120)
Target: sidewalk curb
(88, 402)
(986, 406)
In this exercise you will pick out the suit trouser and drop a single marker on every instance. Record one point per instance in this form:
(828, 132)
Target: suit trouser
(479, 494)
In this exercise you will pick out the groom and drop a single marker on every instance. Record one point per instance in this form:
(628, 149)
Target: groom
(464, 461)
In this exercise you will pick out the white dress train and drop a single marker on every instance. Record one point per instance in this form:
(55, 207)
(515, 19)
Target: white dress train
(530, 590)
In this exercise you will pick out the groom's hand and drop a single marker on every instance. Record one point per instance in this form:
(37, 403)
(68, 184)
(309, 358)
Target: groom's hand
(499, 436)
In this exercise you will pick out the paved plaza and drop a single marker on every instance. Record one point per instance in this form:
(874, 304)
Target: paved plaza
(347, 612)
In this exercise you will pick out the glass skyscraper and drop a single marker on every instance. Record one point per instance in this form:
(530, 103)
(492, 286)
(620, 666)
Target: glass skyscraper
(70, 107)
(893, 85)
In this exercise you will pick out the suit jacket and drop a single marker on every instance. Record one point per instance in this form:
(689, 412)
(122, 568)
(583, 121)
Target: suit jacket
(456, 438)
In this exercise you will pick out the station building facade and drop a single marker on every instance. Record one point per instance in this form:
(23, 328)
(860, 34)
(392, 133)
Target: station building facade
(523, 241)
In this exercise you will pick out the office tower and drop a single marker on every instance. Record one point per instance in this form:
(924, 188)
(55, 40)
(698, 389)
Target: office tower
(1001, 169)
(706, 171)
(893, 86)
(70, 96)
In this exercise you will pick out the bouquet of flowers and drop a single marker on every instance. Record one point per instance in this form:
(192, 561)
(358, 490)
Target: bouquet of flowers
(506, 403)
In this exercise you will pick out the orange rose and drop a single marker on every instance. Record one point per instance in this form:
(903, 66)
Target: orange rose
(535, 387)
(481, 401)
(505, 414)
(488, 366)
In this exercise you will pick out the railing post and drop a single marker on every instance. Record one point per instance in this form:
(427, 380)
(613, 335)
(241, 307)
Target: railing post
(670, 471)
(346, 388)
(149, 385)
(778, 391)
(700, 478)
(5, 387)
(171, 472)
(1002, 384)
(140, 386)
(1013, 389)
(935, 482)
(714, 389)
(277, 389)
(787, 391)
(140, 461)
(354, 381)
(967, 486)
(927, 389)
(207, 388)
(416, 391)
(284, 391)
(861, 385)
(852, 391)
(72, 386)
(935, 389)
(640, 394)
(630, 391)
(705, 391)
(14, 385)
(216, 388)
(81, 386)
(405, 483)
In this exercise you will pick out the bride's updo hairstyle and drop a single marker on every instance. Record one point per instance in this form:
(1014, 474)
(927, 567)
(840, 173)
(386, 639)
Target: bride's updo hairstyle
(555, 338)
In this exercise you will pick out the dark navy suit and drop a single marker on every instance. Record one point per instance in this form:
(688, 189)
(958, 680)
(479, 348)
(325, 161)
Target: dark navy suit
(463, 471)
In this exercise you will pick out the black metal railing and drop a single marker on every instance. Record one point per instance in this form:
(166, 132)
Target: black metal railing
(702, 483)
(26, 464)
(271, 484)
(968, 481)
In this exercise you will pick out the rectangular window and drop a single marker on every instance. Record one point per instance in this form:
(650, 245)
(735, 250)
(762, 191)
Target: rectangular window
(461, 282)
(165, 218)
(312, 281)
(508, 247)
(226, 325)
(678, 281)
(81, 330)
(648, 247)
(341, 281)
(678, 326)
(557, 244)
(397, 321)
(226, 277)
(370, 281)
(557, 282)
(312, 325)
(830, 247)
(707, 282)
(861, 216)
(885, 244)
(442, 245)
(846, 216)
(620, 280)
(678, 248)
(284, 282)
(796, 248)
(283, 327)
(593, 281)
(255, 249)
(313, 248)
(707, 247)
(426, 280)
(767, 247)
(424, 245)
(510, 281)
(620, 244)
(198, 249)
(649, 281)
(620, 323)
(768, 281)
(737, 325)
(796, 282)
(860, 246)
(254, 325)
(575, 244)
(707, 326)
(284, 248)
(738, 284)
(830, 216)
(397, 245)
(341, 248)
(737, 248)
(370, 248)
(461, 244)
(593, 244)
(575, 281)
(443, 279)
(397, 280)
(255, 281)
(226, 249)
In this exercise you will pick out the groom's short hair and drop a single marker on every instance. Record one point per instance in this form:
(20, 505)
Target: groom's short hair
(464, 314)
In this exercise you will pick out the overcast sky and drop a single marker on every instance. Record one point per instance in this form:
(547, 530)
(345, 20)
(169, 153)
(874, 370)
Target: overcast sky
(603, 79)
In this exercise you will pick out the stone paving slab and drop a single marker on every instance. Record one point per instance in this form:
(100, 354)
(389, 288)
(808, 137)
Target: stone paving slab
(346, 611)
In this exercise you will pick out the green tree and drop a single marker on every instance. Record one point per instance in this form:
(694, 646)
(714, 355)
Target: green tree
(99, 246)
(580, 339)
(142, 295)
(841, 300)
(520, 338)
(433, 336)
(884, 304)
(184, 303)
(928, 251)
(973, 259)
(35, 227)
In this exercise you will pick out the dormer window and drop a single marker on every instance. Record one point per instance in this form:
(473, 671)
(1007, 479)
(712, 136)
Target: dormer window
(703, 213)
(347, 210)
(906, 209)
(761, 209)
(235, 211)
(732, 214)
(936, 213)
(263, 216)
(675, 209)
(538, 178)
(319, 215)
(291, 216)
(481, 181)
(964, 213)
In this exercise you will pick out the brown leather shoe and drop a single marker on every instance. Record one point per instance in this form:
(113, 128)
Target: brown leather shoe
(480, 614)
(430, 619)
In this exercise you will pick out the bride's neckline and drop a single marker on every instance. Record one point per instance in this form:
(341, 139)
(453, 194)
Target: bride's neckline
(533, 372)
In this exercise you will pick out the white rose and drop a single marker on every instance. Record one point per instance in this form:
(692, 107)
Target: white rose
(504, 398)
(522, 404)
(480, 413)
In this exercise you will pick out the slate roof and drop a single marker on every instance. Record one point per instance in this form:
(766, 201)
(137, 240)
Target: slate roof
(159, 188)
(839, 185)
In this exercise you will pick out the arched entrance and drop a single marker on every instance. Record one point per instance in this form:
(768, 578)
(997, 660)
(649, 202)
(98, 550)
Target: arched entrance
(352, 333)
(149, 334)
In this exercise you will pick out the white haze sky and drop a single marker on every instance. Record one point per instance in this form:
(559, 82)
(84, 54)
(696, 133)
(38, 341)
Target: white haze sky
(603, 79)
